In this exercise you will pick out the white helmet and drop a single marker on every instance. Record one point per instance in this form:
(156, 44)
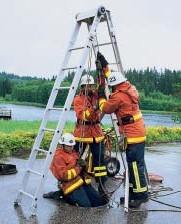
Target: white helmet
(115, 78)
(87, 79)
(67, 139)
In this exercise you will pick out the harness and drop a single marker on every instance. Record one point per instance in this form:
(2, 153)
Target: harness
(129, 119)
(87, 122)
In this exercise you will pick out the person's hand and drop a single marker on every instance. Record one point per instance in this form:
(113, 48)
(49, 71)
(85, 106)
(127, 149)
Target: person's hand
(81, 163)
(101, 92)
(102, 59)
(98, 65)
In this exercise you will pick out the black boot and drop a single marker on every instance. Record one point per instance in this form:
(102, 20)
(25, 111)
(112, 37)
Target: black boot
(103, 194)
(56, 195)
(136, 203)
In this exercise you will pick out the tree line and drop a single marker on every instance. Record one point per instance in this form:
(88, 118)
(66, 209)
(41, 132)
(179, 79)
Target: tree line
(159, 90)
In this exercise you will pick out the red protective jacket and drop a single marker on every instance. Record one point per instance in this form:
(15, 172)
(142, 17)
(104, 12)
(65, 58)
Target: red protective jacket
(64, 168)
(87, 126)
(124, 103)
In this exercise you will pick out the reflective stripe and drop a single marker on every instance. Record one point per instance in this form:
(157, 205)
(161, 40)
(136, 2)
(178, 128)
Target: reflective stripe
(101, 174)
(99, 139)
(84, 116)
(87, 180)
(89, 140)
(143, 189)
(138, 188)
(73, 186)
(137, 116)
(136, 139)
(107, 73)
(101, 103)
(97, 168)
(86, 140)
(69, 174)
(74, 173)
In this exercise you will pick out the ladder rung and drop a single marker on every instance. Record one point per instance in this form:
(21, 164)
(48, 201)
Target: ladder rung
(27, 194)
(55, 108)
(99, 45)
(76, 48)
(69, 68)
(48, 129)
(62, 87)
(35, 172)
(42, 150)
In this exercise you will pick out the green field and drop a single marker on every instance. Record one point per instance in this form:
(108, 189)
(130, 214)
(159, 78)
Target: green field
(17, 137)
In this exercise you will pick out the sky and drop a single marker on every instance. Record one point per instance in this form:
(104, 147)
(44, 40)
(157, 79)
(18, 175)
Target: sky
(34, 34)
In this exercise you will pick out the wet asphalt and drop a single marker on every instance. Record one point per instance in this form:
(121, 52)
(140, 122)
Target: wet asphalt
(163, 160)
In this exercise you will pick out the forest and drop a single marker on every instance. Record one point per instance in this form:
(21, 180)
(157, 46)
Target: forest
(159, 90)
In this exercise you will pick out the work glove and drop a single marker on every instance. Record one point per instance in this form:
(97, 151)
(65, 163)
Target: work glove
(102, 60)
(101, 92)
(81, 163)
(95, 107)
(98, 65)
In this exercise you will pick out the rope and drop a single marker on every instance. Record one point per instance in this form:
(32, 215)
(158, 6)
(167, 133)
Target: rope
(86, 94)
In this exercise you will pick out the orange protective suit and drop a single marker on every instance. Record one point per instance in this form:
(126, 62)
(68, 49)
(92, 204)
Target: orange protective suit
(124, 103)
(88, 119)
(64, 168)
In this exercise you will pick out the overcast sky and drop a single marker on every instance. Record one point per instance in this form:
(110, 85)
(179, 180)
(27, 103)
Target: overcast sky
(34, 34)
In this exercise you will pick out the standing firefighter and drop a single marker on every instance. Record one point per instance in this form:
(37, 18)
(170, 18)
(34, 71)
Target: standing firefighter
(88, 130)
(124, 103)
(69, 169)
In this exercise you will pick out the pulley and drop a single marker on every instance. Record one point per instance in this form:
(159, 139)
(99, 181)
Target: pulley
(113, 166)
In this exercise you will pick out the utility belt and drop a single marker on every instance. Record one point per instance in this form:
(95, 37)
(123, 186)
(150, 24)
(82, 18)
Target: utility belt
(87, 122)
(129, 119)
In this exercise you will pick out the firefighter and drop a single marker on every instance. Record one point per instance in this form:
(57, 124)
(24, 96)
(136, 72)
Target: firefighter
(88, 130)
(69, 169)
(124, 103)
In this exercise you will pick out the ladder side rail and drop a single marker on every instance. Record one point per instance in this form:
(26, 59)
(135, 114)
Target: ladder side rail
(123, 157)
(113, 116)
(53, 95)
(114, 42)
(67, 105)
(54, 92)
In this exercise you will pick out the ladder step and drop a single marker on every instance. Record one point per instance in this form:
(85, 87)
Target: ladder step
(103, 44)
(76, 48)
(34, 172)
(56, 108)
(42, 150)
(69, 68)
(62, 87)
(27, 194)
(48, 129)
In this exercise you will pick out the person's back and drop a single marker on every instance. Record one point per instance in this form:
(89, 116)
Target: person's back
(124, 102)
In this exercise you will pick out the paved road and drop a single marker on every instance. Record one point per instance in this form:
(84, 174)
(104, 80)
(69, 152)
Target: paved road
(164, 160)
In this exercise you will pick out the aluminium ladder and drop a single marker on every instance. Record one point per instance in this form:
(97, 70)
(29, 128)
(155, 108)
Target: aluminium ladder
(92, 19)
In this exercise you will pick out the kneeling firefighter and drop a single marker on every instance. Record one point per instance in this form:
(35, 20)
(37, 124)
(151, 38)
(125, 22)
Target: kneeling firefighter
(69, 169)
(124, 102)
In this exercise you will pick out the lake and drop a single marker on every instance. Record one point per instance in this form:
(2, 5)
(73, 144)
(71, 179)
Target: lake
(31, 113)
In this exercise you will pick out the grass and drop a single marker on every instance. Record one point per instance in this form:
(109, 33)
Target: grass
(17, 137)
(9, 126)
